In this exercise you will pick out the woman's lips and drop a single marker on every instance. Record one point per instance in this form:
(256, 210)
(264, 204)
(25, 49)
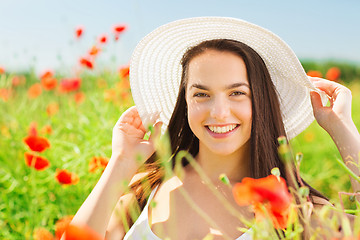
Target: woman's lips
(221, 135)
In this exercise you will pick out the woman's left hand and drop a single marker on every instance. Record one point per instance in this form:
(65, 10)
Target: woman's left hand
(336, 120)
(340, 103)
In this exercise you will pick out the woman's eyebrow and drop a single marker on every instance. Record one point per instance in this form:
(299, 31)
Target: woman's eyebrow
(196, 85)
(234, 85)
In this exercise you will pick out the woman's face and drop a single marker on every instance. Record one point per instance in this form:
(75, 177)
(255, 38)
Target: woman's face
(218, 98)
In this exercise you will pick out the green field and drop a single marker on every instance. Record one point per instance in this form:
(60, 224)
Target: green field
(30, 199)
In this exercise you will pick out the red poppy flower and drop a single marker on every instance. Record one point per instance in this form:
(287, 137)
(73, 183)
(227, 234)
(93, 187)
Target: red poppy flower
(86, 63)
(2, 70)
(94, 50)
(46, 130)
(52, 109)
(124, 72)
(15, 81)
(70, 84)
(333, 74)
(119, 28)
(32, 129)
(18, 80)
(313, 73)
(37, 162)
(103, 38)
(37, 143)
(35, 90)
(5, 94)
(79, 31)
(79, 97)
(61, 225)
(97, 162)
(47, 74)
(270, 192)
(49, 83)
(65, 177)
(42, 234)
(84, 232)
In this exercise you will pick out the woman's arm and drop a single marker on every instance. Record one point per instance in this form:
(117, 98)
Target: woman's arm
(97, 209)
(336, 120)
(127, 143)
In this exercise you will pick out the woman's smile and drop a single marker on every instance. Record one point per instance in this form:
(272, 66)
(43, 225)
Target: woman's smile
(221, 131)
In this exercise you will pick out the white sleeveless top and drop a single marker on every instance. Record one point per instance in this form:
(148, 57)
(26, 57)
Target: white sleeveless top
(141, 230)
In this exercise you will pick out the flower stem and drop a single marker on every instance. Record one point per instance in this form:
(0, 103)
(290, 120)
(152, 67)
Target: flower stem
(343, 166)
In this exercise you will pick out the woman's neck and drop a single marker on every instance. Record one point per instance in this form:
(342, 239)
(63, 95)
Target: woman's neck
(236, 166)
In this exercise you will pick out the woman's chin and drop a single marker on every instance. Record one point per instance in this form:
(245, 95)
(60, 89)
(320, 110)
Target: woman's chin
(223, 151)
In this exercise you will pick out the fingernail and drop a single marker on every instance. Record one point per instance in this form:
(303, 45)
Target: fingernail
(151, 118)
(159, 122)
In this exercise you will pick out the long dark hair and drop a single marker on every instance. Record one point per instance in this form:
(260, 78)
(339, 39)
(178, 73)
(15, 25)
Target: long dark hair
(267, 123)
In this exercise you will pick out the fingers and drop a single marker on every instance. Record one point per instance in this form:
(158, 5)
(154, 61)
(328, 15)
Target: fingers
(316, 100)
(138, 124)
(125, 116)
(150, 120)
(131, 116)
(324, 85)
(130, 130)
(338, 94)
(332, 89)
(156, 131)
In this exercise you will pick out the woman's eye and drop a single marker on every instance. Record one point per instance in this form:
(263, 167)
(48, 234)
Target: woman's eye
(236, 93)
(200, 95)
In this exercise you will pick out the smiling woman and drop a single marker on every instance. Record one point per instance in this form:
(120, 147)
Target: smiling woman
(218, 99)
(224, 90)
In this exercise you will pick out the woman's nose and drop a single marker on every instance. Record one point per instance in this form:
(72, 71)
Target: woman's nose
(220, 109)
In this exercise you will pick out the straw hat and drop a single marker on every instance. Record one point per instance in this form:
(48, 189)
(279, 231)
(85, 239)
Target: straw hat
(155, 68)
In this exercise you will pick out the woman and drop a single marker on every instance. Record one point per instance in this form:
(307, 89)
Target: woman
(238, 88)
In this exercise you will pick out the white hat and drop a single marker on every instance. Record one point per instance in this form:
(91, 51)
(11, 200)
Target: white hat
(155, 68)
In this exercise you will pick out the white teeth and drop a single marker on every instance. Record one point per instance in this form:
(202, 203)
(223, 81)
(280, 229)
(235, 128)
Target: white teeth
(226, 129)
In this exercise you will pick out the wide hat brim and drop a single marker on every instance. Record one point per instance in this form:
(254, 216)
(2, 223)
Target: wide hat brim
(155, 68)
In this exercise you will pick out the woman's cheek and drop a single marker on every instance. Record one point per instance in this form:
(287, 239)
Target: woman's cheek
(196, 113)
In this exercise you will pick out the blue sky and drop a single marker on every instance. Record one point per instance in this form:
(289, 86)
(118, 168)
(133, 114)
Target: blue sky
(40, 33)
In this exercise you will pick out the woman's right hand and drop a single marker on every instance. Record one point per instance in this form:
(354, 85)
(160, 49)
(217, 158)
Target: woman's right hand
(128, 141)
